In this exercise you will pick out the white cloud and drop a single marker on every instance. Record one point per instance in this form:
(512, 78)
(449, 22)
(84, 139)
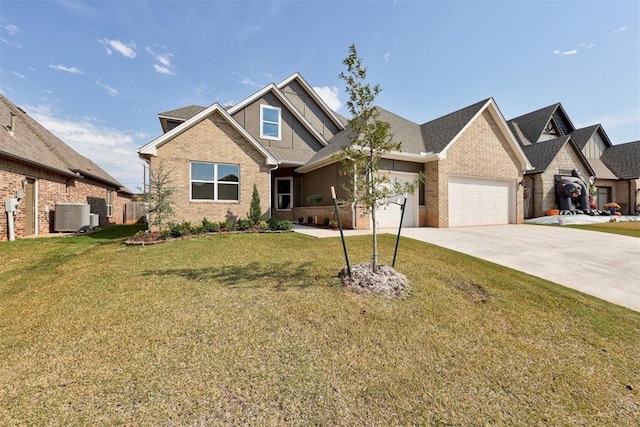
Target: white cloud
(247, 81)
(11, 29)
(70, 70)
(111, 91)
(128, 50)
(566, 52)
(96, 142)
(163, 70)
(330, 96)
(386, 55)
(623, 28)
(10, 43)
(164, 61)
(15, 73)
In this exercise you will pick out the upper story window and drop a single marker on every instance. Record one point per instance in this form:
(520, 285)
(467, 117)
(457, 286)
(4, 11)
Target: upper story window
(215, 181)
(270, 122)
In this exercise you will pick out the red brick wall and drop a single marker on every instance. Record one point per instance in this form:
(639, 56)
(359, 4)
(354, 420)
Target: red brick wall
(52, 188)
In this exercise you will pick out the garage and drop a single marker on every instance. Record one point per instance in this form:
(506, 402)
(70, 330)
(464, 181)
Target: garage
(389, 216)
(477, 201)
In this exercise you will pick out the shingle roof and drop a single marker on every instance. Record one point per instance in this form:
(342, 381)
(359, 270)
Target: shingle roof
(531, 125)
(289, 156)
(540, 155)
(438, 133)
(32, 143)
(184, 113)
(581, 136)
(623, 160)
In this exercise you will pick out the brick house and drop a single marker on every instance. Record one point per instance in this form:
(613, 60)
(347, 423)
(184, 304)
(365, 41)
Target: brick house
(284, 138)
(555, 147)
(44, 172)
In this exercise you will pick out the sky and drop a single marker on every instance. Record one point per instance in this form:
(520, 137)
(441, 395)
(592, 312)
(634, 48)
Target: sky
(97, 73)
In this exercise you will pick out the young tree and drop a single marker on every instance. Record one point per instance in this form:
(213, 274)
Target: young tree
(371, 138)
(159, 198)
(255, 212)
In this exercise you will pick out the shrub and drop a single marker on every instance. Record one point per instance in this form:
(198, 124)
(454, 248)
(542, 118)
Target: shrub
(262, 225)
(300, 219)
(181, 229)
(276, 224)
(210, 227)
(309, 219)
(255, 212)
(314, 199)
(245, 224)
(165, 234)
(326, 221)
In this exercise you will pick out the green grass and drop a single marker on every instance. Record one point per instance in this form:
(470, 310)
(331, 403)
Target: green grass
(255, 329)
(627, 228)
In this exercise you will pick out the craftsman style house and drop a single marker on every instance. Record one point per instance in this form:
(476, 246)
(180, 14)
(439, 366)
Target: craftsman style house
(555, 148)
(284, 140)
(41, 172)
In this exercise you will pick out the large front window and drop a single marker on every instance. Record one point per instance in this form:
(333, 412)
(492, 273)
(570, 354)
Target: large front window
(215, 181)
(269, 122)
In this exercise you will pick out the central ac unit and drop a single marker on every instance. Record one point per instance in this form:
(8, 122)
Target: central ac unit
(71, 217)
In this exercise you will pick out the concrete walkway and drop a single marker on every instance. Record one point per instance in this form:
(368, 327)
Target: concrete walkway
(604, 265)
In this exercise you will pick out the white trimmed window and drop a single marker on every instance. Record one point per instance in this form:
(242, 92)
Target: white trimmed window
(270, 122)
(108, 203)
(284, 194)
(215, 181)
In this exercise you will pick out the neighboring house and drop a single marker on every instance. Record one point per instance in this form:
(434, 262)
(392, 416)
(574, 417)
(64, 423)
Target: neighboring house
(44, 170)
(555, 148)
(284, 139)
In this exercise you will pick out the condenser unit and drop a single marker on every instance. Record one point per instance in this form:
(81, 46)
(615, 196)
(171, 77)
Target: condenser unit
(94, 221)
(71, 217)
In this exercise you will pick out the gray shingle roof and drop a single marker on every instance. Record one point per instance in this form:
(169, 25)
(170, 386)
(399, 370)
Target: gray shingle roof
(623, 160)
(184, 113)
(438, 133)
(540, 155)
(581, 136)
(288, 156)
(531, 125)
(33, 144)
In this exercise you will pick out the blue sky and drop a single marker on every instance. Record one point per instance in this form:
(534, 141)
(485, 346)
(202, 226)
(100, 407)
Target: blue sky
(96, 73)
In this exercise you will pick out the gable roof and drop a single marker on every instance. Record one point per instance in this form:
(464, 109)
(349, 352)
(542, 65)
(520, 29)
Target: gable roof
(31, 143)
(151, 149)
(528, 127)
(540, 155)
(422, 143)
(272, 88)
(438, 134)
(581, 136)
(623, 160)
(335, 117)
(184, 113)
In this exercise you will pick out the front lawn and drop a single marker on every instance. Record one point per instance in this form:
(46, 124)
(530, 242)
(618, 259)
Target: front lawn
(626, 228)
(255, 329)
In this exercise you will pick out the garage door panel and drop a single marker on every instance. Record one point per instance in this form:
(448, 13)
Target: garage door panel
(475, 201)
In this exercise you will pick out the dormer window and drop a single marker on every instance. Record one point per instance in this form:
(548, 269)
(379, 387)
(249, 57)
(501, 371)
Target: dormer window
(270, 126)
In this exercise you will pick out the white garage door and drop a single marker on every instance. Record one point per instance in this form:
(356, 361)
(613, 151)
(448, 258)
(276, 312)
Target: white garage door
(389, 216)
(474, 201)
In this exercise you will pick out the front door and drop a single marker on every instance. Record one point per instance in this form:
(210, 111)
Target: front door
(604, 196)
(29, 203)
(284, 194)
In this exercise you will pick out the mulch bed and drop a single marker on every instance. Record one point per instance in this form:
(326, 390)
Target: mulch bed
(386, 281)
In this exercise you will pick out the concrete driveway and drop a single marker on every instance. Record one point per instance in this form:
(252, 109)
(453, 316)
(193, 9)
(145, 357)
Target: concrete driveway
(604, 265)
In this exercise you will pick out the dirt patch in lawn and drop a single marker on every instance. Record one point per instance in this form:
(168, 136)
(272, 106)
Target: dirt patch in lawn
(386, 281)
